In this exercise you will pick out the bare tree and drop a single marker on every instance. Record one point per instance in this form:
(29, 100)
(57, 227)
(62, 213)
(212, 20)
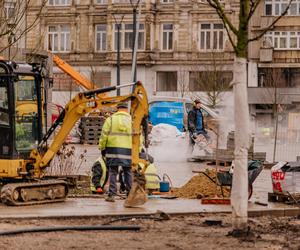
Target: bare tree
(212, 80)
(271, 79)
(13, 25)
(239, 38)
(183, 82)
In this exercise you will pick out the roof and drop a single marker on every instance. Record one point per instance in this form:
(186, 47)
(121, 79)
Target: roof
(169, 99)
(185, 100)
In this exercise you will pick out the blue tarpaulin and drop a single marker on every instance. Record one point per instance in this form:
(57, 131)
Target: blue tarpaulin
(167, 112)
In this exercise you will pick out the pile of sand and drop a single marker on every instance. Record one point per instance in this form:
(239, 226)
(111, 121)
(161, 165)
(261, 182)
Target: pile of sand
(200, 187)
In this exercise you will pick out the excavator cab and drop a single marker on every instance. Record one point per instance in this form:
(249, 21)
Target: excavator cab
(20, 130)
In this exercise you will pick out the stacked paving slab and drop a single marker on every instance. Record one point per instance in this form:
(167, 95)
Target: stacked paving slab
(90, 128)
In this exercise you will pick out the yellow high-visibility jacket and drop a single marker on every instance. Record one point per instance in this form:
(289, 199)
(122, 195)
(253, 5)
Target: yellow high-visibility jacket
(99, 175)
(116, 139)
(152, 179)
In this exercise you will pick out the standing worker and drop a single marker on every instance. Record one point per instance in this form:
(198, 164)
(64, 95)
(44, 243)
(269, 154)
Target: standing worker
(115, 144)
(196, 124)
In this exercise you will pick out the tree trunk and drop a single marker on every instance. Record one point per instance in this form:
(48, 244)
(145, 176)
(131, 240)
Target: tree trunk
(239, 193)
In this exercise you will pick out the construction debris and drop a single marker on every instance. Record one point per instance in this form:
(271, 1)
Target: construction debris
(163, 131)
(200, 186)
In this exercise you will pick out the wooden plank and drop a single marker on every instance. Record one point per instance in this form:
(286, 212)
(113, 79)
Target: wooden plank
(274, 197)
(215, 201)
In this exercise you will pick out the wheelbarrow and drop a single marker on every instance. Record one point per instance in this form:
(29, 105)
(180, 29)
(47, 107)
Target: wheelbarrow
(224, 178)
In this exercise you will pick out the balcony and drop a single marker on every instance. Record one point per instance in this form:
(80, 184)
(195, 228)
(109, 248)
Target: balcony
(267, 95)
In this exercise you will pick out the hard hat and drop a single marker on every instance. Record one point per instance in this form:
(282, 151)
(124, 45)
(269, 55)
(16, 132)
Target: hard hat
(122, 105)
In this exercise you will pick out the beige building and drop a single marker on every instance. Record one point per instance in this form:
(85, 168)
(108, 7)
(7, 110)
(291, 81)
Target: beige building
(176, 39)
(275, 58)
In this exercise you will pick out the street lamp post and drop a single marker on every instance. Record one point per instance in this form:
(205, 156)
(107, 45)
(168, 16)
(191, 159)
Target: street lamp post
(118, 58)
(11, 37)
(118, 25)
(134, 47)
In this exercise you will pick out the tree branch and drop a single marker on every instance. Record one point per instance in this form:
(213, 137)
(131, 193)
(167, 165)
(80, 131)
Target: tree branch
(27, 29)
(229, 36)
(253, 7)
(218, 7)
(265, 30)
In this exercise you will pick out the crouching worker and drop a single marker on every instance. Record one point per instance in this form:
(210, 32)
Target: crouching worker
(99, 176)
(152, 179)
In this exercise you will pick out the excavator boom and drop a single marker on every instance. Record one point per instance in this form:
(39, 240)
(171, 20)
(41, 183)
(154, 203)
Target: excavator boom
(69, 70)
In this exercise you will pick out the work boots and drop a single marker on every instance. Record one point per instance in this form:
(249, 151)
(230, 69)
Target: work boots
(109, 198)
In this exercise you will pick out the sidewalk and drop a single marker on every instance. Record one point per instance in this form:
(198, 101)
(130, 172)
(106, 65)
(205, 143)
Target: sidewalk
(94, 207)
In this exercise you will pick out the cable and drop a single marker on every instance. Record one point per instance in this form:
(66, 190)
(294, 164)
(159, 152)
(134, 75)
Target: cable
(158, 216)
(64, 228)
(132, 217)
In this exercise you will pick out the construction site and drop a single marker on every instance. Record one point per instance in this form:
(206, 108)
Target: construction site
(154, 124)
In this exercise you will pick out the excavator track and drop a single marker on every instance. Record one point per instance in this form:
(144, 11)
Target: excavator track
(34, 193)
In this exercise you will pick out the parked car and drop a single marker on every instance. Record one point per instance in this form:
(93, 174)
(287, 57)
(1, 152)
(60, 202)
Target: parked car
(174, 111)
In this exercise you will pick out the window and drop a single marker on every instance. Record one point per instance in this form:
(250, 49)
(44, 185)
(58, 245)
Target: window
(277, 7)
(283, 40)
(100, 1)
(167, 42)
(59, 2)
(167, 1)
(9, 9)
(101, 78)
(205, 1)
(278, 77)
(127, 1)
(4, 117)
(126, 37)
(214, 81)
(101, 37)
(63, 82)
(59, 38)
(211, 36)
(166, 81)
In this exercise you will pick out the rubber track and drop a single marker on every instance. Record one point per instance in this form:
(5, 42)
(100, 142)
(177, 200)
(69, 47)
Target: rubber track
(7, 191)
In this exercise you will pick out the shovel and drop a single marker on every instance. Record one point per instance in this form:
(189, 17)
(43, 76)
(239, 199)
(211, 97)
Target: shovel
(137, 195)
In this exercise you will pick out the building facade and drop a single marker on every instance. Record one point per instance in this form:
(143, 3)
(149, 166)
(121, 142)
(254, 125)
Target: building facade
(274, 60)
(274, 79)
(182, 48)
(177, 40)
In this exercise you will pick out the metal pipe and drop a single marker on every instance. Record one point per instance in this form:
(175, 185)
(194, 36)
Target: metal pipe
(64, 228)
(133, 45)
(106, 89)
(118, 58)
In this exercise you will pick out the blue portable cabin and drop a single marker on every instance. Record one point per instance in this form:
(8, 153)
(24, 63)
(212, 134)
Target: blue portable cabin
(169, 110)
(174, 111)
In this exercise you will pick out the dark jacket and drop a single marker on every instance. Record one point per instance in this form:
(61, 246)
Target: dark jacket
(192, 120)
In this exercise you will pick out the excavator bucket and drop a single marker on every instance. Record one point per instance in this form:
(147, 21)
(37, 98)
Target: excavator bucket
(137, 195)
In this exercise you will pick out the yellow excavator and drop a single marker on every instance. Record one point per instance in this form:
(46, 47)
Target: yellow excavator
(24, 153)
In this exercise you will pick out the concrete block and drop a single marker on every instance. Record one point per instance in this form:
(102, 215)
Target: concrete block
(273, 212)
(295, 211)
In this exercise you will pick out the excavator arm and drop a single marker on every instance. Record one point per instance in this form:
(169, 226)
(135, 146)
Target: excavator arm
(69, 70)
(84, 103)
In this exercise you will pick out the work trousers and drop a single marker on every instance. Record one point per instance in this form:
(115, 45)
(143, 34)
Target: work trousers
(192, 141)
(113, 173)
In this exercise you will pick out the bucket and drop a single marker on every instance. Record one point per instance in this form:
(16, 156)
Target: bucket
(164, 186)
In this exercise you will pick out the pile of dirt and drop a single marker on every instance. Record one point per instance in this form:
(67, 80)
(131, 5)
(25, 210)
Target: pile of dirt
(201, 186)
